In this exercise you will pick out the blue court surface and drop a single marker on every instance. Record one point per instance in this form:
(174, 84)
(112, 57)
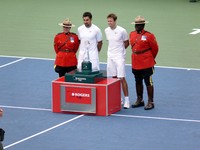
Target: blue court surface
(25, 96)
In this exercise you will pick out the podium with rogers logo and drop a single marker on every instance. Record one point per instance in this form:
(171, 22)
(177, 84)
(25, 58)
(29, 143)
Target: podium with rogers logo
(101, 98)
(86, 91)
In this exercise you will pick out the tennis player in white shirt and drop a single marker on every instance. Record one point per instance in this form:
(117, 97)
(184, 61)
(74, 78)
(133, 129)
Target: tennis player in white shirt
(90, 37)
(118, 41)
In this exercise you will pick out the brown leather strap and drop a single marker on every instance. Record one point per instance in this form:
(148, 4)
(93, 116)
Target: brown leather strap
(64, 43)
(66, 50)
(141, 51)
(138, 39)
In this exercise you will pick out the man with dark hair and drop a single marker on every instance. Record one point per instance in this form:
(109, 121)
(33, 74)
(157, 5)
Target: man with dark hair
(90, 37)
(117, 38)
(144, 51)
(87, 14)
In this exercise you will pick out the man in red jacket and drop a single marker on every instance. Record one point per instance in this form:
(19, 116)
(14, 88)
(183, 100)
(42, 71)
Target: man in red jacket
(66, 45)
(144, 51)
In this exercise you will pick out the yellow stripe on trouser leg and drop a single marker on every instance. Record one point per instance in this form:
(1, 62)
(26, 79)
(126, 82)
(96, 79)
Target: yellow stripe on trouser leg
(151, 80)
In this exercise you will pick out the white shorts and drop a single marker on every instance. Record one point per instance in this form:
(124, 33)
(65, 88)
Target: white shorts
(116, 67)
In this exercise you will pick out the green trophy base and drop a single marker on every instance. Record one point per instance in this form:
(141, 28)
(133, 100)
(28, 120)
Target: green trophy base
(84, 76)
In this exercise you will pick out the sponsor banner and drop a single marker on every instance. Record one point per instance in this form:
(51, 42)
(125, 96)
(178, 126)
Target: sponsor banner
(78, 95)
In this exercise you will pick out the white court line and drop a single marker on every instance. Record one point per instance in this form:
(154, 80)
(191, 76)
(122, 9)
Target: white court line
(26, 57)
(10, 63)
(26, 108)
(116, 115)
(37, 134)
(157, 118)
(166, 67)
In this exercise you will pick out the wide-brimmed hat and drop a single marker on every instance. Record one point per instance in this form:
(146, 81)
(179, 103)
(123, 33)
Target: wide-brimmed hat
(66, 23)
(139, 20)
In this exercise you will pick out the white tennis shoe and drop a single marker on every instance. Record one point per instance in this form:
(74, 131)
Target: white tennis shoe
(126, 104)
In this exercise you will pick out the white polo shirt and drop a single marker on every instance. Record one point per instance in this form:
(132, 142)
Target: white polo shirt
(116, 38)
(89, 38)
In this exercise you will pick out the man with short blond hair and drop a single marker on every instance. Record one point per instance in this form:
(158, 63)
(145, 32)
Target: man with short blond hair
(117, 38)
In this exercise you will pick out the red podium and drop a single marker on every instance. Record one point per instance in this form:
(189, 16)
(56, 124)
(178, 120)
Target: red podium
(101, 98)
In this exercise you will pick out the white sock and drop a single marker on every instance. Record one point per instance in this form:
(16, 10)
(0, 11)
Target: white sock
(127, 99)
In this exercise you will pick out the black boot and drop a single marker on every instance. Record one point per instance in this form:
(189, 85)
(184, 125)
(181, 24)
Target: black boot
(150, 92)
(139, 102)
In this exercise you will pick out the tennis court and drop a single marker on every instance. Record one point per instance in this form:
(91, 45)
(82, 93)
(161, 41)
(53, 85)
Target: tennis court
(27, 30)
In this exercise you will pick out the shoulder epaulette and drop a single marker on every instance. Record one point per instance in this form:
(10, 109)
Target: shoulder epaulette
(73, 33)
(148, 32)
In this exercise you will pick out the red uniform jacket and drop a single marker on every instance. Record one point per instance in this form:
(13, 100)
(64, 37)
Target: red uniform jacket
(144, 49)
(66, 46)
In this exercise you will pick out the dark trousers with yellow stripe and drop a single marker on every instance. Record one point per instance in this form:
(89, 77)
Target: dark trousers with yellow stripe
(63, 70)
(146, 76)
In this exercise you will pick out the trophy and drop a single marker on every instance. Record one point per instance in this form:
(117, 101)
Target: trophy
(86, 65)
(86, 75)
